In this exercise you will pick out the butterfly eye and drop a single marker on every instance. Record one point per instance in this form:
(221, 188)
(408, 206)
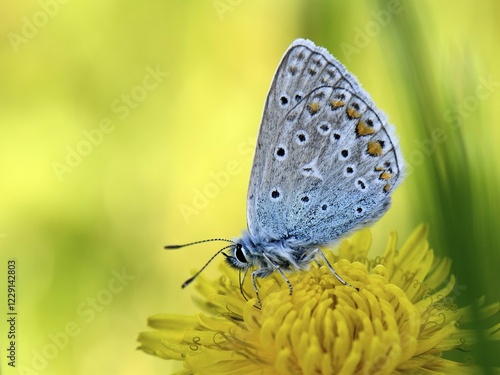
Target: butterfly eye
(239, 254)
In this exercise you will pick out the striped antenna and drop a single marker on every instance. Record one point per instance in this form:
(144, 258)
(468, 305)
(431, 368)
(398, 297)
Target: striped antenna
(168, 247)
(190, 280)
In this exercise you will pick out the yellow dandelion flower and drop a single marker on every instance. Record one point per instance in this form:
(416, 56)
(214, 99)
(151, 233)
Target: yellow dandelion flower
(399, 322)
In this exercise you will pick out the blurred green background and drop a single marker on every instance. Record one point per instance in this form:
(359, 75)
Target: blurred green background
(117, 118)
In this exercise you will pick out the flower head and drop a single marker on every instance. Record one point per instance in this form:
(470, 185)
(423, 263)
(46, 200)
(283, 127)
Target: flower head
(399, 322)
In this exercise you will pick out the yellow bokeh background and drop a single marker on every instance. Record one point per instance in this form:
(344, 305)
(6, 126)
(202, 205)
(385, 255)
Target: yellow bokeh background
(128, 126)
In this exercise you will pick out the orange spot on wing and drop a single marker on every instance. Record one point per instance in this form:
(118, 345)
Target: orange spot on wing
(374, 148)
(313, 108)
(363, 129)
(387, 187)
(385, 176)
(352, 113)
(336, 104)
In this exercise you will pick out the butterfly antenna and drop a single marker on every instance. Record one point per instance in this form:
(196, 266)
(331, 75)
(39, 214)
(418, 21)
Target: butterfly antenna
(190, 280)
(168, 247)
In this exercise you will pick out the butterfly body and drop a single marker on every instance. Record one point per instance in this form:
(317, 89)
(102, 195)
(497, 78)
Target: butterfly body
(266, 254)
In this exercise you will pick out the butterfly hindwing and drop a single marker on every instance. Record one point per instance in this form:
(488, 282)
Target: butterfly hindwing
(326, 159)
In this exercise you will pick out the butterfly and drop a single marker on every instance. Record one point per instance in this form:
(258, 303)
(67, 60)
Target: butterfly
(326, 163)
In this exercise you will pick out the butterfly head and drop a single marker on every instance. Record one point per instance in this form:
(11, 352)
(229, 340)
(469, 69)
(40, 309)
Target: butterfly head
(239, 258)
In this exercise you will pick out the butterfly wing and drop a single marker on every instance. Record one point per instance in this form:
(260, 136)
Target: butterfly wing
(326, 159)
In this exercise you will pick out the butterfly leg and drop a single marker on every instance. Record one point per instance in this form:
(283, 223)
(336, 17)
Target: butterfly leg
(242, 281)
(258, 273)
(339, 278)
(277, 268)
